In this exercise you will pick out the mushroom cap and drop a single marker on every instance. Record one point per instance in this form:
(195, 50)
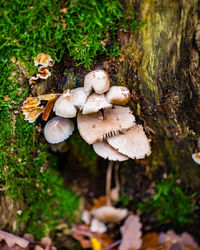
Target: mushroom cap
(58, 129)
(109, 214)
(63, 107)
(104, 150)
(118, 95)
(45, 73)
(44, 60)
(97, 80)
(97, 226)
(31, 109)
(78, 97)
(133, 143)
(94, 103)
(196, 157)
(95, 127)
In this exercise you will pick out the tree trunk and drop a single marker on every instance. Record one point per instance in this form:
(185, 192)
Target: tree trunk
(160, 65)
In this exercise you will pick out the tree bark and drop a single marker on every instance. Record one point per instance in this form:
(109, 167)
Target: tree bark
(160, 64)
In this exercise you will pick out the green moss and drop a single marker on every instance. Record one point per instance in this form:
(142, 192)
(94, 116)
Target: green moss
(84, 30)
(171, 204)
(25, 174)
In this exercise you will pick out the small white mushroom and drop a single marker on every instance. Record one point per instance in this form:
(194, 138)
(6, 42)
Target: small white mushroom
(196, 157)
(110, 214)
(97, 80)
(78, 97)
(94, 103)
(96, 127)
(132, 143)
(104, 150)
(118, 95)
(86, 217)
(58, 129)
(97, 226)
(63, 107)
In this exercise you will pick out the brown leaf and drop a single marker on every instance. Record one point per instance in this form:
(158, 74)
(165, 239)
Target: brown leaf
(150, 241)
(83, 234)
(101, 201)
(48, 108)
(131, 233)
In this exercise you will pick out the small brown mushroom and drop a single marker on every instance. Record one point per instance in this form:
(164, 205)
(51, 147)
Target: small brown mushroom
(44, 60)
(96, 127)
(118, 95)
(31, 109)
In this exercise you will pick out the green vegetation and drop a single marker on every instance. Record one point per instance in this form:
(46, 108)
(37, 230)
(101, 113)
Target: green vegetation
(84, 30)
(170, 204)
(25, 172)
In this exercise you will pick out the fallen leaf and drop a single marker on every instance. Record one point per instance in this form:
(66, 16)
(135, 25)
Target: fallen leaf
(12, 240)
(48, 108)
(131, 233)
(150, 241)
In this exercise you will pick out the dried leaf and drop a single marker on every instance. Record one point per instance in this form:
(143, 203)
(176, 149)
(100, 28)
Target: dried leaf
(185, 238)
(48, 108)
(150, 241)
(47, 97)
(101, 201)
(83, 234)
(12, 240)
(131, 233)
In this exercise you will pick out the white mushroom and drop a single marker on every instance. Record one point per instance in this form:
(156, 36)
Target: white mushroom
(104, 150)
(132, 143)
(94, 103)
(97, 226)
(63, 107)
(78, 97)
(95, 127)
(58, 129)
(196, 157)
(110, 214)
(97, 80)
(118, 95)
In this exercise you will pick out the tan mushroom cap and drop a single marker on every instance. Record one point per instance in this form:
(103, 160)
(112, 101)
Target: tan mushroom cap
(110, 214)
(63, 107)
(104, 150)
(31, 109)
(94, 103)
(78, 97)
(132, 143)
(44, 60)
(95, 127)
(97, 80)
(118, 95)
(58, 129)
(196, 157)
(97, 226)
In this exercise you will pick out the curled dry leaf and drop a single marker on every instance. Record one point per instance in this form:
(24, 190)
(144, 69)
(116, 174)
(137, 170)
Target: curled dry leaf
(83, 234)
(31, 109)
(48, 108)
(131, 233)
(150, 241)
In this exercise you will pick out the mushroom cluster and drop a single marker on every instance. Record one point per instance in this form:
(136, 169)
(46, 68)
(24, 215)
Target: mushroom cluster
(44, 61)
(102, 119)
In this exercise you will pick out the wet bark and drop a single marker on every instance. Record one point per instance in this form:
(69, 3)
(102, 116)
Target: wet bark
(160, 64)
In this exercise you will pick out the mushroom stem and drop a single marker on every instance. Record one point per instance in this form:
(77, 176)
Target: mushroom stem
(117, 184)
(108, 183)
